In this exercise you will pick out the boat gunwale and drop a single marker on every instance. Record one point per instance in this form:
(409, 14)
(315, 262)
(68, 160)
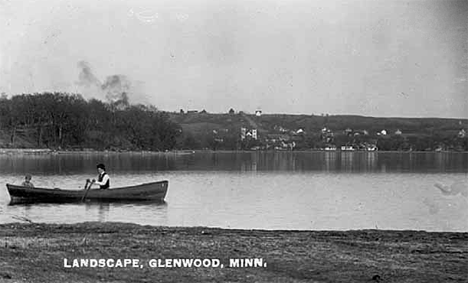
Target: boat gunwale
(43, 189)
(151, 191)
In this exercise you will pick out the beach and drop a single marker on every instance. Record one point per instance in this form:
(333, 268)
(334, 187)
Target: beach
(31, 252)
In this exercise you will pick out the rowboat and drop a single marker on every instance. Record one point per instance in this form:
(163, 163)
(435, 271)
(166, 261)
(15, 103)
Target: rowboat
(155, 191)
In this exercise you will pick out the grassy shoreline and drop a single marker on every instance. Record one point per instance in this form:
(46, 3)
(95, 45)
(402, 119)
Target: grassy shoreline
(36, 253)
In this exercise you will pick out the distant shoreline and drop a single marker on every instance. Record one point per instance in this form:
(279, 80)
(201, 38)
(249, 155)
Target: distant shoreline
(32, 151)
(90, 151)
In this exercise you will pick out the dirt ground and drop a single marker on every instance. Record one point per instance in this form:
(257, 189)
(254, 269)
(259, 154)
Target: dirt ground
(37, 253)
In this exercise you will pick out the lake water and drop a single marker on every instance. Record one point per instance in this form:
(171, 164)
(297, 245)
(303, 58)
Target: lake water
(265, 190)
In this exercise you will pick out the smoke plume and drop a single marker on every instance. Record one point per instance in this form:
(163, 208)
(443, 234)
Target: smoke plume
(86, 76)
(117, 89)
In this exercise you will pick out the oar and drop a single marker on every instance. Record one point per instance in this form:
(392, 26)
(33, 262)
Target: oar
(86, 189)
(87, 181)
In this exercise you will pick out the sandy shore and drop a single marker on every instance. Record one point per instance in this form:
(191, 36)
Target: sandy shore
(36, 253)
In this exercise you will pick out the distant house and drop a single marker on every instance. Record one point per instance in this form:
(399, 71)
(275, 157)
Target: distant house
(231, 111)
(253, 134)
(348, 131)
(326, 131)
(300, 131)
(382, 133)
(462, 133)
(280, 129)
(327, 135)
(258, 113)
(398, 132)
(243, 133)
(347, 148)
(439, 148)
(277, 137)
(282, 145)
(371, 147)
(330, 148)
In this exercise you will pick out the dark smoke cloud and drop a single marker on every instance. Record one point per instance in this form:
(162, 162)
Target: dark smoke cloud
(86, 76)
(114, 89)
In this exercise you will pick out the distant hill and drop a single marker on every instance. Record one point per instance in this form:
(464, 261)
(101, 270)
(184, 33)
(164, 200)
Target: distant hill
(206, 122)
(203, 130)
(223, 131)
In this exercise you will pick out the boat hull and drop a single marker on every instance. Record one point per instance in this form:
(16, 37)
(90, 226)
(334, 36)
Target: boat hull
(155, 191)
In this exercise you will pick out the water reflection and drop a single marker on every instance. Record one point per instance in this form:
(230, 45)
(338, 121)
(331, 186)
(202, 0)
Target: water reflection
(347, 162)
(102, 208)
(136, 212)
(440, 160)
(330, 161)
(66, 164)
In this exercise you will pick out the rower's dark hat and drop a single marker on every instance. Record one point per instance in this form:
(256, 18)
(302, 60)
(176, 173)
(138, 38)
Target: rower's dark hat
(102, 166)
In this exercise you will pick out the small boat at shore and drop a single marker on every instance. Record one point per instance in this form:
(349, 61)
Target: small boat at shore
(155, 191)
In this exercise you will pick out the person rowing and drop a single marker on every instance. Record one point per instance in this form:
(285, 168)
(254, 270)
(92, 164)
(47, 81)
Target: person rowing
(103, 179)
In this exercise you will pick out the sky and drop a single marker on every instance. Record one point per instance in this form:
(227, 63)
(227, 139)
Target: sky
(362, 57)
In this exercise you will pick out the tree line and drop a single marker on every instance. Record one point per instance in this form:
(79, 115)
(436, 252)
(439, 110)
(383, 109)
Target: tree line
(68, 121)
